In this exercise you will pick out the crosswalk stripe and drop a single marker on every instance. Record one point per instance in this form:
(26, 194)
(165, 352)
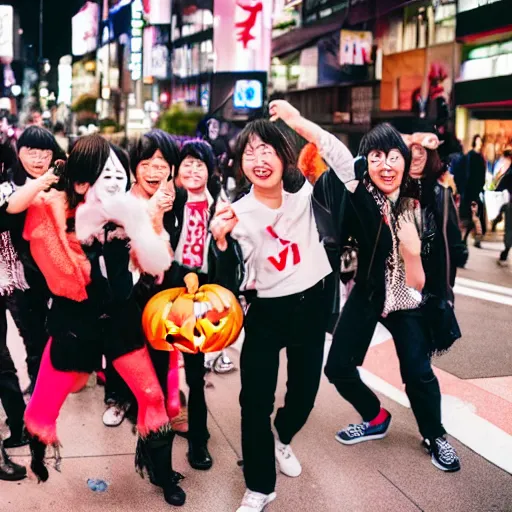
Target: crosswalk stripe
(483, 295)
(480, 285)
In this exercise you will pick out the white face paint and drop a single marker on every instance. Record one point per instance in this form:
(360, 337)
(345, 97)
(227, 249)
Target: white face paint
(113, 179)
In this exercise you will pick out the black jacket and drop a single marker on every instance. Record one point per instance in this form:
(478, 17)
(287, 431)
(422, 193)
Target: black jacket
(443, 250)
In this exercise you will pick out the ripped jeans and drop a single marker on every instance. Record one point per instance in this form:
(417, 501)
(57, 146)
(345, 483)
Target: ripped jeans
(421, 385)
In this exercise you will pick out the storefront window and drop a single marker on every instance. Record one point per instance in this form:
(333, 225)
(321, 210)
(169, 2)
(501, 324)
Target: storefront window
(421, 26)
(190, 60)
(191, 20)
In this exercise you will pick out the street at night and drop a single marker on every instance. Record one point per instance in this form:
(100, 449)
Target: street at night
(254, 255)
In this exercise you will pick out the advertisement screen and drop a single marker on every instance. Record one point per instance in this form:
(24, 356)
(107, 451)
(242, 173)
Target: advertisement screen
(85, 26)
(248, 94)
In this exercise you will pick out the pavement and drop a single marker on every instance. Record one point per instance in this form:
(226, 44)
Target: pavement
(393, 474)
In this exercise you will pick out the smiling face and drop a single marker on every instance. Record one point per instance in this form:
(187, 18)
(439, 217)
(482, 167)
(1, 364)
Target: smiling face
(419, 160)
(152, 172)
(261, 164)
(113, 179)
(193, 174)
(35, 161)
(386, 171)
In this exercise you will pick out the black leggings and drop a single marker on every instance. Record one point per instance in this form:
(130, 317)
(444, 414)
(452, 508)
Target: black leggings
(421, 385)
(298, 323)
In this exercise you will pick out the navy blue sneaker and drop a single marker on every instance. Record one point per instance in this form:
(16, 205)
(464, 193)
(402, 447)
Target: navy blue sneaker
(443, 454)
(354, 434)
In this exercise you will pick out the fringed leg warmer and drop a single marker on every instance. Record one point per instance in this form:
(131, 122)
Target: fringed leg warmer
(51, 390)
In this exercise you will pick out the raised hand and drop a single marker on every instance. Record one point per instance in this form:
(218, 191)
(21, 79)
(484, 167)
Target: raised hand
(46, 180)
(281, 109)
(222, 223)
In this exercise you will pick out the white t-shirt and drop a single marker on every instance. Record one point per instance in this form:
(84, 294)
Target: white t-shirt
(282, 251)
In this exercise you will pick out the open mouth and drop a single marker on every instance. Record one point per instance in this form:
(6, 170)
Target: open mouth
(388, 180)
(153, 183)
(262, 174)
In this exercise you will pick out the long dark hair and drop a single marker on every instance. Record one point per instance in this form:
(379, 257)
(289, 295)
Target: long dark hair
(272, 135)
(150, 143)
(35, 137)
(86, 162)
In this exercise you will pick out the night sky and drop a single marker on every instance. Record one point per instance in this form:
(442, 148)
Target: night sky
(56, 28)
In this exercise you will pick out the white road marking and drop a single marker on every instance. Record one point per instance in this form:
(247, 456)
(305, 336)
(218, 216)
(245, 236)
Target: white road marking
(460, 421)
(482, 295)
(480, 285)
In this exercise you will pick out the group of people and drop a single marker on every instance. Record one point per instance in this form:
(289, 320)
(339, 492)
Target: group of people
(85, 249)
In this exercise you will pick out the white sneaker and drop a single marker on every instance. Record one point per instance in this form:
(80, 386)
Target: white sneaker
(255, 501)
(289, 465)
(114, 415)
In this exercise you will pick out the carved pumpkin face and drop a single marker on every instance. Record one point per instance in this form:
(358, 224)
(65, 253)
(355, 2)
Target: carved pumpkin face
(193, 319)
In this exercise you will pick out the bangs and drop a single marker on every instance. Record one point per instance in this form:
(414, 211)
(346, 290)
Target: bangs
(385, 138)
(150, 143)
(36, 137)
(200, 150)
(269, 133)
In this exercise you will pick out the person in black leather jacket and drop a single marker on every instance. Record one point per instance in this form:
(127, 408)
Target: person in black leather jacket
(443, 250)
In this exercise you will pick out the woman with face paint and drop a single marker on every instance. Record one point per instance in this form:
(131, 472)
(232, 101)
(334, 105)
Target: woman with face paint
(389, 282)
(269, 238)
(37, 152)
(84, 240)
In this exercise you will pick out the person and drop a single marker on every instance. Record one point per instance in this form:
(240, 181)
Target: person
(101, 232)
(388, 286)
(505, 183)
(35, 118)
(60, 136)
(37, 153)
(270, 237)
(9, 470)
(443, 248)
(476, 172)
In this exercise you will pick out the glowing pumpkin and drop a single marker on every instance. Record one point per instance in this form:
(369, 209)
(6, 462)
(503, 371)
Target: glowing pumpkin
(193, 319)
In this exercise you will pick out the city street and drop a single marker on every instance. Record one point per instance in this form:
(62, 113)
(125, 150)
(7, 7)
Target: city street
(390, 475)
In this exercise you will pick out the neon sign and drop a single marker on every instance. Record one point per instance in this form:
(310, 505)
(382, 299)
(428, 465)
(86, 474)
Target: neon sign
(137, 27)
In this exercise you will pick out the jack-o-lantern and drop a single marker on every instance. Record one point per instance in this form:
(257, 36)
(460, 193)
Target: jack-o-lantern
(193, 319)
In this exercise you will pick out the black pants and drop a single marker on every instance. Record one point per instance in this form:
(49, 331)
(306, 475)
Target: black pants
(30, 311)
(116, 389)
(298, 323)
(11, 395)
(421, 385)
(197, 410)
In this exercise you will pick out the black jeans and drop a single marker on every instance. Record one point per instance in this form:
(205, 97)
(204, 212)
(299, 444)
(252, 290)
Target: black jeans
(29, 310)
(421, 385)
(11, 395)
(298, 323)
(197, 410)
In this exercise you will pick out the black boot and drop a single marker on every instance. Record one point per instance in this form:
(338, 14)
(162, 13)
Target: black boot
(19, 437)
(154, 453)
(38, 451)
(9, 470)
(198, 456)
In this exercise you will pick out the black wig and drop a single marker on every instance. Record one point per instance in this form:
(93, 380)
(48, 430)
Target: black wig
(35, 137)
(150, 143)
(270, 134)
(86, 162)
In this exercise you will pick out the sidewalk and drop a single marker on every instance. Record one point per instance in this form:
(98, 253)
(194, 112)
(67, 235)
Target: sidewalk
(392, 475)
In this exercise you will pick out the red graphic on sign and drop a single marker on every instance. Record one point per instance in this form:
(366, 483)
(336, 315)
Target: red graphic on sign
(244, 36)
(282, 258)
